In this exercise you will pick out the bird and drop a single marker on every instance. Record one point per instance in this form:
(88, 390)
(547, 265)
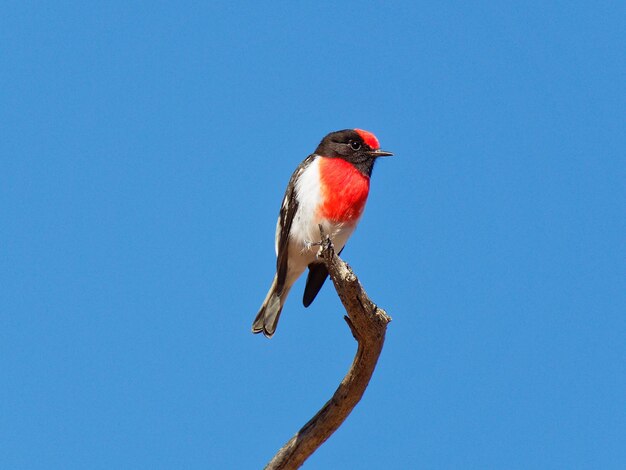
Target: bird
(329, 188)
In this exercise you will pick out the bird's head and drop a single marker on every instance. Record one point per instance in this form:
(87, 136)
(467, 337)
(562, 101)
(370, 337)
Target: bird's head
(359, 147)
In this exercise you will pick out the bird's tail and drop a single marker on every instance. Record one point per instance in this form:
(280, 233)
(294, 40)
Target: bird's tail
(267, 318)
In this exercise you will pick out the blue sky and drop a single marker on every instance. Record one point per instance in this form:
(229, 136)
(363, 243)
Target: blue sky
(145, 150)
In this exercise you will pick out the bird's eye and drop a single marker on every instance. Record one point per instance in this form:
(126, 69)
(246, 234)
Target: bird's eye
(355, 145)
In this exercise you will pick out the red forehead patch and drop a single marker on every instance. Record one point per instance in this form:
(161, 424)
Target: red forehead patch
(369, 138)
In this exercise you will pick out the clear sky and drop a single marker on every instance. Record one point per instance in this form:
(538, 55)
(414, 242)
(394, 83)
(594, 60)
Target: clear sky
(144, 151)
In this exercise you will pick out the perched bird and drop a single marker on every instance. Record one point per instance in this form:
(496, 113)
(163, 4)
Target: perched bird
(330, 188)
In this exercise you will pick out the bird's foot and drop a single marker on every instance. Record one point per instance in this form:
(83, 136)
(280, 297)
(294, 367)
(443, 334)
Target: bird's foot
(325, 243)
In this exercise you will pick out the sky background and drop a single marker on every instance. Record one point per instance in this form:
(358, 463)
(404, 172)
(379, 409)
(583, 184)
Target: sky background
(144, 151)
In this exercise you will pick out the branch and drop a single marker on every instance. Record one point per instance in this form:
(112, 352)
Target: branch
(368, 324)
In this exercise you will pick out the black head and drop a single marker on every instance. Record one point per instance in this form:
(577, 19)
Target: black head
(359, 147)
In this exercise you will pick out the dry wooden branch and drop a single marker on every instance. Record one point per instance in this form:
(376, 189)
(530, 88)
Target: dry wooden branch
(368, 324)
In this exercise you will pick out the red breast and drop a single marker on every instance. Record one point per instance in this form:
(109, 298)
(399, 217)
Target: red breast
(344, 190)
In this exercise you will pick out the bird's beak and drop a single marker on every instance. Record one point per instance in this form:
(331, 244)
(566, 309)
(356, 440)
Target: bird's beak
(380, 153)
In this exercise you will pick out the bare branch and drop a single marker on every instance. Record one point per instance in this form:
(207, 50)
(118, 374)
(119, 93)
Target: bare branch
(368, 325)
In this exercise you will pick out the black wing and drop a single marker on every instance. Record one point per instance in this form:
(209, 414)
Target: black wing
(285, 219)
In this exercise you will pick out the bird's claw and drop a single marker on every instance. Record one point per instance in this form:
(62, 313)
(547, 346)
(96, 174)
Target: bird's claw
(325, 243)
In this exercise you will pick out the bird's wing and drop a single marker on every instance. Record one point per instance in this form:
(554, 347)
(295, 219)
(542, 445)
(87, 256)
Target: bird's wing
(285, 219)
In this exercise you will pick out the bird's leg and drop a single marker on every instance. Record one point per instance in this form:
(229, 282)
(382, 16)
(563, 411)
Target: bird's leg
(325, 242)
